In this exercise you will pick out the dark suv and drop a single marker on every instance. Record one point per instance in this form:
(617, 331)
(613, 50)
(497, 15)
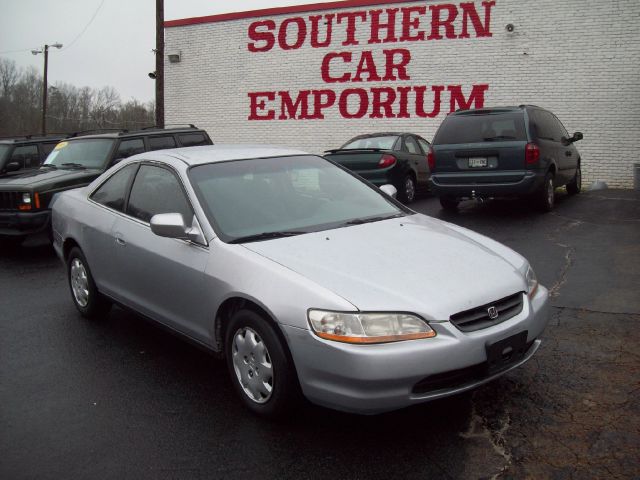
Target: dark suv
(75, 162)
(18, 153)
(502, 152)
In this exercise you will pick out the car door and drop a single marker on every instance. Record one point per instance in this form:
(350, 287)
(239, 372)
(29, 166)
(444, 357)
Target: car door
(160, 277)
(549, 142)
(568, 155)
(417, 159)
(425, 146)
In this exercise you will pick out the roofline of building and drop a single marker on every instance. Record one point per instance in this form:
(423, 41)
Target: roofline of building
(265, 12)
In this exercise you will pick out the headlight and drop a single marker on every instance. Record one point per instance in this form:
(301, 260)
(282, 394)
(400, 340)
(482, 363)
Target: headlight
(532, 282)
(368, 327)
(26, 198)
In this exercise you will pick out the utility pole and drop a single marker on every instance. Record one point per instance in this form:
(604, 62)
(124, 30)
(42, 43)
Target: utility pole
(160, 63)
(45, 51)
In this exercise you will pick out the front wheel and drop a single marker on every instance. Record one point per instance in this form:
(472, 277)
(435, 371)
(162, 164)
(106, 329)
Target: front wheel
(89, 302)
(575, 185)
(407, 191)
(261, 372)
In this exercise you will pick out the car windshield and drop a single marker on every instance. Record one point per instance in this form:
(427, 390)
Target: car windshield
(479, 128)
(258, 199)
(4, 150)
(385, 142)
(89, 153)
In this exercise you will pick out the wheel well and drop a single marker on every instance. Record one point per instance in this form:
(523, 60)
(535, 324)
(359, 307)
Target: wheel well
(68, 244)
(231, 306)
(552, 169)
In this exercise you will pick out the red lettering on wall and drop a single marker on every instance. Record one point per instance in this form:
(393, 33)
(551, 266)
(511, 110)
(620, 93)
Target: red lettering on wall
(261, 36)
(256, 105)
(289, 108)
(469, 12)
(447, 23)
(389, 26)
(363, 102)
(400, 66)
(476, 98)
(409, 24)
(367, 66)
(301, 33)
(315, 27)
(351, 25)
(319, 104)
(379, 104)
(420, 111)
(326, 63)
(403, 112)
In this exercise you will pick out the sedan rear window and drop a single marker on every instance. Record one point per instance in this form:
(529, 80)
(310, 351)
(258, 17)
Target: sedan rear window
(385, 142)
(478, 128)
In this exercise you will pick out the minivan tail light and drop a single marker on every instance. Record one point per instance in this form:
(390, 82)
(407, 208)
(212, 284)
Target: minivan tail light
(532, 153)
(386, 161)
(431, 159)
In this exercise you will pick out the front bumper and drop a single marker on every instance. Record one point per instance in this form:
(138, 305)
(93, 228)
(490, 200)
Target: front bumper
(486, 184)
(370, 379)
(24, 223)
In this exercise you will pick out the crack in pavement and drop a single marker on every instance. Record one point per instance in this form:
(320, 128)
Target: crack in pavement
(554, 290)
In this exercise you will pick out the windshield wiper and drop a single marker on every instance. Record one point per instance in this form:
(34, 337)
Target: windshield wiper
(265, 236)
(360, 221)
(499, 137)
(75, 165)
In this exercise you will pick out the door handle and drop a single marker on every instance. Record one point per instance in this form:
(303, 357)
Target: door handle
(120, 240)
(568, 153)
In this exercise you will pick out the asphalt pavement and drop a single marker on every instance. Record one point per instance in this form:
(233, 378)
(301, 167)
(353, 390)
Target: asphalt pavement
(123, 399)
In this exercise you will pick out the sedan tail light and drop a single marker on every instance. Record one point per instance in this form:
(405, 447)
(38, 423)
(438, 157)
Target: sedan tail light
(386, 161)
(431, 159)
(531, 153)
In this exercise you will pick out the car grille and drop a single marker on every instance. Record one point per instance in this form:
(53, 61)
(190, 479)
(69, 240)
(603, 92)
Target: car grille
(479, 318)
(10, 200)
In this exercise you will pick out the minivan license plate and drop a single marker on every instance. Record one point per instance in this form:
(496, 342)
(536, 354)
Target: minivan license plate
(477, 162)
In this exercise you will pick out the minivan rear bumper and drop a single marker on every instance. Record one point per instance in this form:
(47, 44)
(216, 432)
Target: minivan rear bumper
(486, 184)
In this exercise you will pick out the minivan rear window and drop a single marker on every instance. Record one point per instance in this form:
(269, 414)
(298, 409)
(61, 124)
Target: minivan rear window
(479, 128)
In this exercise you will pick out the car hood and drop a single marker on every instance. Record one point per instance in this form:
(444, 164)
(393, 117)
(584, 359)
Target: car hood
(414, 263)
(48, 177)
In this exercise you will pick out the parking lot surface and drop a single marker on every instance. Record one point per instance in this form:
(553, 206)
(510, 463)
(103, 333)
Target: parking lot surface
(122, 398)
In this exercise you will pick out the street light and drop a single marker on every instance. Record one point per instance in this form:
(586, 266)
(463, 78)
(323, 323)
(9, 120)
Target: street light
(45, 50)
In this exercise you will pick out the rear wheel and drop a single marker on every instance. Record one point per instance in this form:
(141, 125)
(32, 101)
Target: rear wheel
(260, 369)
(575, 185)
(449, 203)
(546, 195)
(89, 302)
(407, 190)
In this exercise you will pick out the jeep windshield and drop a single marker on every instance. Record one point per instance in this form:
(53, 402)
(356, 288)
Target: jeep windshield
(481, 128)
(89, 153)
(267, 198)
(4, 151)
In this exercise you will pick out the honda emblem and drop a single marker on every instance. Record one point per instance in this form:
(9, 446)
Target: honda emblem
(493, 313)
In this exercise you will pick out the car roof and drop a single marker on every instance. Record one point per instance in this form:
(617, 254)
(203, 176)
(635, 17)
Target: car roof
(30, 139)
(489, 110)
(383, 134)
(118, 133)
(220, 153)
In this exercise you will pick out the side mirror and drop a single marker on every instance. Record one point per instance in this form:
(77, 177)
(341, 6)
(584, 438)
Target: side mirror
(389, 190)
(12, 167)
(171, 225)
(577, 136)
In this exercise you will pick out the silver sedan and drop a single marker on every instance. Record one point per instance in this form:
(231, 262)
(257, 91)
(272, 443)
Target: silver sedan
(309, 280)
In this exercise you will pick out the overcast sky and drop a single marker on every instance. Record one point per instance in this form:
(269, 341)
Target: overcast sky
(111, 49)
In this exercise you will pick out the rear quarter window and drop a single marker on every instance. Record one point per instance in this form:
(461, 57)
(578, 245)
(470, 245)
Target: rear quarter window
(481, 128)
(193, 139)
(161, 142)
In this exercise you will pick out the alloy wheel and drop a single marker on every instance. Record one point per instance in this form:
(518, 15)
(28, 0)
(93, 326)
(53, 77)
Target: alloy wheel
(79, 282)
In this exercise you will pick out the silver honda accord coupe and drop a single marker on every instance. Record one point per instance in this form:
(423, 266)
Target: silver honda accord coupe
(310, 281)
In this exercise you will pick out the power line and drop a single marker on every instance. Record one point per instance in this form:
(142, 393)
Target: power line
(86, 26)
(15, 51)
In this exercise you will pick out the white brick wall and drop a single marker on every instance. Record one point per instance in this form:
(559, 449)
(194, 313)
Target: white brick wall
(580, 59)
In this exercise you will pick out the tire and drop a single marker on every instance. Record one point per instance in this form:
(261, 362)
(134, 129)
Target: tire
(89, 302)
(575, 185)
(545, 196)
(261, 370)
(449, 204)
(407, 190)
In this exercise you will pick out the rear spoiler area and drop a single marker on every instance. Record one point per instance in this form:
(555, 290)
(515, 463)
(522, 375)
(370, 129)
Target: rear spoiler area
(355, 150)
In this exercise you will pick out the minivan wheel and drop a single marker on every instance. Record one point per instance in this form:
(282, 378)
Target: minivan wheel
(575, 185)
(260, 370)
(449, 203)
(547, 194)
(407, 191)
(89, 302)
